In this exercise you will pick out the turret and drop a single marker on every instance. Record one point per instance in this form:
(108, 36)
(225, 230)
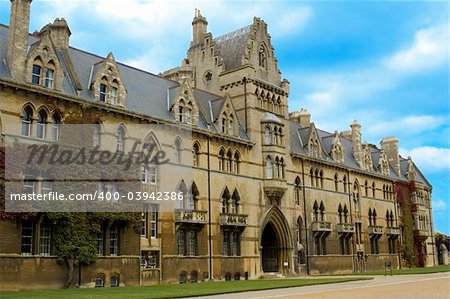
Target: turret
(356, 139)
(199, 28)
(59, 33)
(390, 147)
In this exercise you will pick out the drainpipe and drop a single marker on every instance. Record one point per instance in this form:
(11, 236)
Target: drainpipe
(351, 219)
(304, 217)
(245, 102)
(209, 212)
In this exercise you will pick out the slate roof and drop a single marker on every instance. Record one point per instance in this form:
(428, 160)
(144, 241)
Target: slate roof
(232, 46)
(146, 92)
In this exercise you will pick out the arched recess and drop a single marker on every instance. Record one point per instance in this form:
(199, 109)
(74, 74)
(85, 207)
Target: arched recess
(275, 242)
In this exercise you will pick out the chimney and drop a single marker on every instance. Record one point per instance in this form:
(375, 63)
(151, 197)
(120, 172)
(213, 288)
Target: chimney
(199, 28)
(59, 33)
(19, 26)
(356, 139)
(390, 147)
(303, 117)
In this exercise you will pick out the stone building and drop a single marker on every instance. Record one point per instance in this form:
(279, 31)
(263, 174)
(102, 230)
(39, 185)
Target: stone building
(268, 192)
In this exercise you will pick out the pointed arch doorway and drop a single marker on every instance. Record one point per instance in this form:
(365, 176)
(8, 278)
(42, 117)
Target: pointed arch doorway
(275, 242)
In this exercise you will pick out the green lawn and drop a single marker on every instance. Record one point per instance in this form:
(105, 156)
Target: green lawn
(405, 271)
(176, 290)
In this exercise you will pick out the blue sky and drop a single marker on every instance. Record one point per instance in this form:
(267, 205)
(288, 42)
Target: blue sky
(384, 63)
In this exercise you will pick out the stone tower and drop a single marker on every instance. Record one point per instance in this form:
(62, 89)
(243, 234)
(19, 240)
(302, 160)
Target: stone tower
(390, 147)
(199, 28)
(18, 37)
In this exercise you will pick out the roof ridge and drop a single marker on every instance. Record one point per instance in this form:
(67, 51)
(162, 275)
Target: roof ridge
(233, 33)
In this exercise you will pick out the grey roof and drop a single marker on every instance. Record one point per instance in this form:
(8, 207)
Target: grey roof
(270, 117)
(146, 92)
(232, 45)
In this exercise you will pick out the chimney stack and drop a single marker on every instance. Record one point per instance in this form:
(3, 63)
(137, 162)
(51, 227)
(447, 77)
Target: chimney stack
(303, 117)
(19, 27)
(59, 33)
(356, 139)
(199, 28)
(390, 147)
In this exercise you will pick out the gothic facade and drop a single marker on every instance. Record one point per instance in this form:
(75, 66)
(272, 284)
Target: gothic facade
(269, 193)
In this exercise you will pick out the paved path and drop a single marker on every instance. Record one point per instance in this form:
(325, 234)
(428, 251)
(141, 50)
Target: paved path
(426, 286)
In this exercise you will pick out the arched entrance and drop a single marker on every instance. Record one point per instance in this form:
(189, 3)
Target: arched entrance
(276, 243)
(270, 249)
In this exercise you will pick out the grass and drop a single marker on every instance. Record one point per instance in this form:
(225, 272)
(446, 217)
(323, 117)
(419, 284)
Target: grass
(407, 271)
(176, 290)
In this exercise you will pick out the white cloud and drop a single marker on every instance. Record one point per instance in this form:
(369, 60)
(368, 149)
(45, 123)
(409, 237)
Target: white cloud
(439, 205)
(429, 50)
(429, 158)
(291, 21)
(408, 125)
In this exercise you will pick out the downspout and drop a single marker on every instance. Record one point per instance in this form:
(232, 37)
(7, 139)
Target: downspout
(209, 212)
(305, 220)
(351, 219)
(245, 103)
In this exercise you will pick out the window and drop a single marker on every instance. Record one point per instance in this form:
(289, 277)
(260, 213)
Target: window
(192, 242)
(153, 221)
(36, 74)
(224, 200)
(120, 139)
(113, 96)
(144, 222)
(231, 243)
(45, 238)
(96, 135)
(344, 183)
(41, 124)
(229, 161)
(267, 136)
(114, 281)
(194, 276)
(373, 189)
(144, 174)
(27, 238)
(231, 126)
(177, 152)
(224, 125)
(29, 184)
(345, 244)
(180, 113)
(269, 168)
(336, 183)
(208, 76)
(221, 160)
(56, 123)
(182, 277)
(181, 242)
(320, 244)
(187, 242)
(99, 281)
(101, 242)
(46, 187)
(153, 260)
(152, 173)
(374, 248)
(297, 189)
(27, 118)
(195, 155)
(49, 78)
(102, 95)
(262, 57)
(235, 199)
(114, 241)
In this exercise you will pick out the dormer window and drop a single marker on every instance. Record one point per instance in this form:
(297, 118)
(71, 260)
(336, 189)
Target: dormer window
(113, 96)
(262, 57)
(49, 78)
(102, 96)
(36, 75)
(224, 124)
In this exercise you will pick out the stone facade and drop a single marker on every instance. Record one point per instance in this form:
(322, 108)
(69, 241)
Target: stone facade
(271, 192)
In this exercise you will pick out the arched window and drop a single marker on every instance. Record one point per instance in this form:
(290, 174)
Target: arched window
(56, 122)
(237, 161)
(345, 214)
(366, 188)
(27, 119)
(96, 134)
(321, 179)
(41, 124)
(221, 160)
(229, 161)
(316, 174)
(235, 199)
(103, 89)
(196, 155)
(120, 139)
(311, 175)
(280, 134)
(277, 168)
(267, 136)
(231, 125)
(100, 281)
(269, 168)
(370, 217)
(194, 276)
(224, 123)
(49, 75)
(224, 201)
(322, 211)
(177, 152)
(373, 189)
(183, 204)
(315, 211)
(262, 57)
(297, 189)
(336, 184)
(182, 277)
(340, 212)
(36, 71)
(282, 167)
(114, 281)
(113, 92)
(344, 183)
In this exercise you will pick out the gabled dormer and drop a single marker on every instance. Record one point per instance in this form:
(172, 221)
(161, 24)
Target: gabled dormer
(185, 108)
(43, 67)
(367, 158)
(106, 82)
(226, 120)
(314, 146)
(411, 170)
(337, 151)
(383, 163)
